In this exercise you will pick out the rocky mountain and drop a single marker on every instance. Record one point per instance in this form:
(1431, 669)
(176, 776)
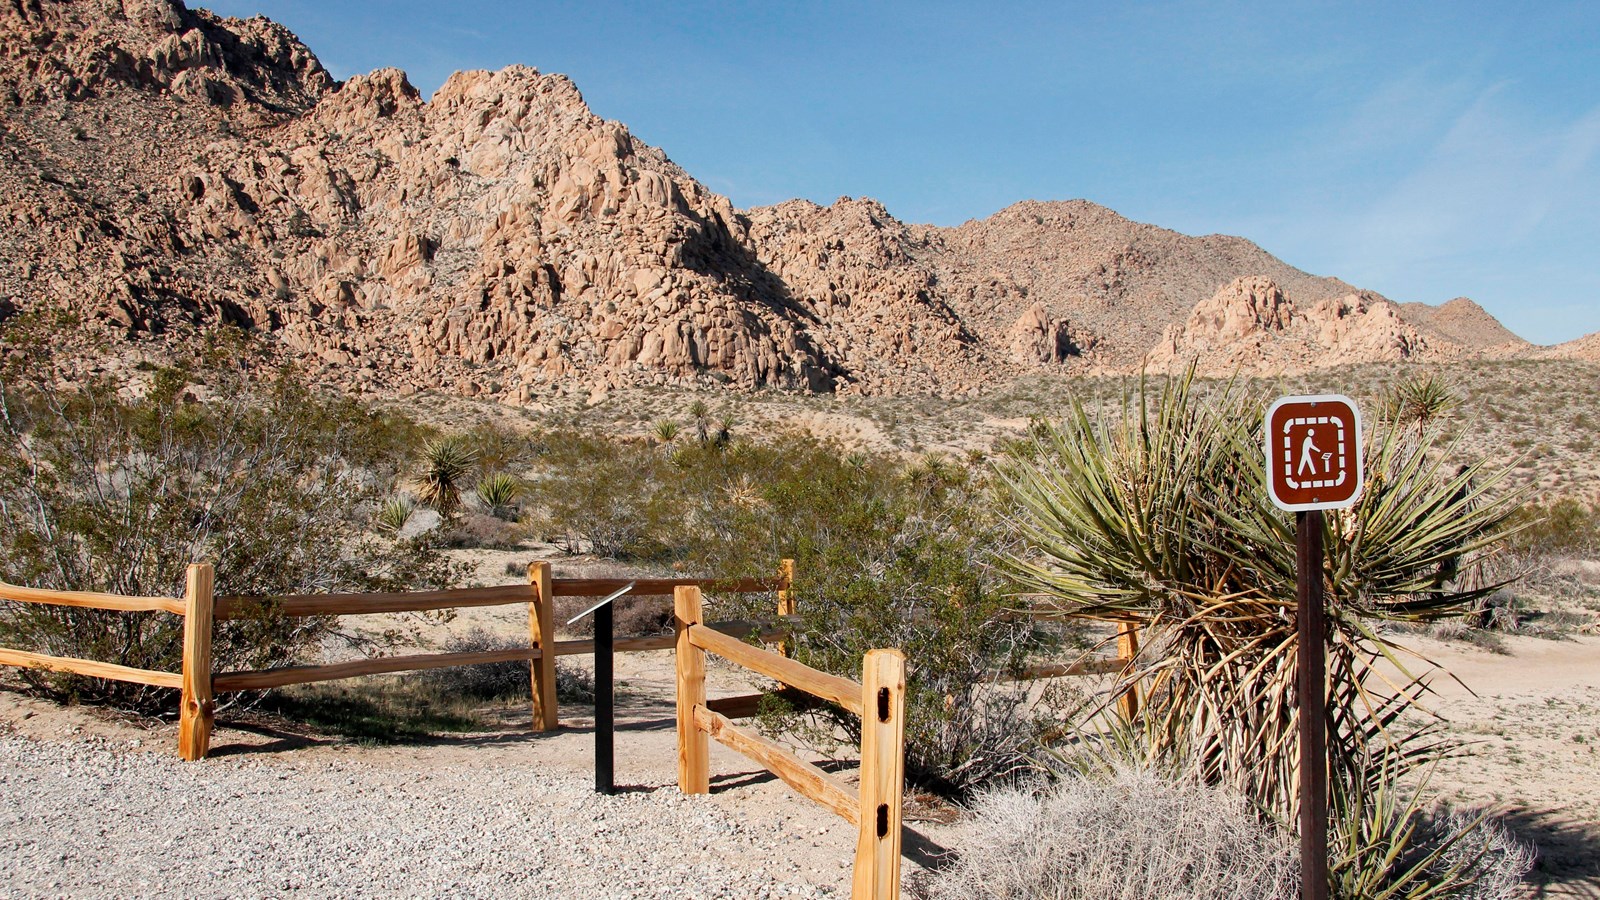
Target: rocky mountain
(165, 172)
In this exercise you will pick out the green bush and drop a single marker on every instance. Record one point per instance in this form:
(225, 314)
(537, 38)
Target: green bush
(888, 555)
(274, 486)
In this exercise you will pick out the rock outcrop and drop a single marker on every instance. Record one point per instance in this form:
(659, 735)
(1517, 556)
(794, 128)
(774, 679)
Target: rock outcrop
(166, 172)
(1251, 326)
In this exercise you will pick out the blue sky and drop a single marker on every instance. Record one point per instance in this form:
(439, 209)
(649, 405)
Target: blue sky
(1423, 150)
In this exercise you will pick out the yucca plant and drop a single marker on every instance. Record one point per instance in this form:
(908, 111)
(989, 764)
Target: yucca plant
(394, 513)
(499, 492)
(1161, 518)
(1379, 847)
(666, 430)
(446, 464)
(1420, 400)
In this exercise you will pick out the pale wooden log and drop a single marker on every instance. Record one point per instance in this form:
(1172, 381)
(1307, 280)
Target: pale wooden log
(1127, 649)
(694, 747)
(198, 706)
(805, 778)
(883, 726)
(89, 668)
(785, 598)
(365, 604)
(263, 679)
(90, 600)
(832, 688)
(542, 634)
(662, 587)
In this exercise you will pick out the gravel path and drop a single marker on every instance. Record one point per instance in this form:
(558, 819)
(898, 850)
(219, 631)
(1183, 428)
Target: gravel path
(97, 818)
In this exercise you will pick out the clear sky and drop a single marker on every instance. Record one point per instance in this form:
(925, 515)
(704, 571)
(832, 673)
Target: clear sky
(1422, 150)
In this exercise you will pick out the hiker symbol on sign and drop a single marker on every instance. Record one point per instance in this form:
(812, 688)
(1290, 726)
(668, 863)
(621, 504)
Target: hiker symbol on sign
(1313, 452)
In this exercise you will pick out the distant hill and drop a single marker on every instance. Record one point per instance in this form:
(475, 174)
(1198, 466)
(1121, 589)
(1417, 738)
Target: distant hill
(166, 172)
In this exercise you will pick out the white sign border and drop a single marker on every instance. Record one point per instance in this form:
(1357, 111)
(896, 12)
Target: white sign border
(1266, 447)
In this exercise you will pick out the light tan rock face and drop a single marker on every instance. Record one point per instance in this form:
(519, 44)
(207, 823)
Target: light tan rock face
(166, 172)
(1251, 326)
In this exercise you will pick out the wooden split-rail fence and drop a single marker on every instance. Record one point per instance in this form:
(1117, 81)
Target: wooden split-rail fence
(878, 698)
(201, 609)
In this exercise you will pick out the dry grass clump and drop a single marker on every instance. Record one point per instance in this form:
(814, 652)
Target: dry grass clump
(1134, 836)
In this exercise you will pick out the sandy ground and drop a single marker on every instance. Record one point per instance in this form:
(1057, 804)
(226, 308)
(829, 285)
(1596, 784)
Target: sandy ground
(808, 845)
(1531, 717)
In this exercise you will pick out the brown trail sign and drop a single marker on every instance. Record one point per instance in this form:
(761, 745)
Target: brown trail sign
(1313, 453)
(1313, 459)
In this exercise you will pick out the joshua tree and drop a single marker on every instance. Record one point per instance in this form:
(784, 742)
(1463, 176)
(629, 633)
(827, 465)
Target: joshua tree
(701, 413)
(1422, 400)
(725, 423)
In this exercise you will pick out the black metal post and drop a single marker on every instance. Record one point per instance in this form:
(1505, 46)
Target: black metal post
(604, 700)
(1312, 688)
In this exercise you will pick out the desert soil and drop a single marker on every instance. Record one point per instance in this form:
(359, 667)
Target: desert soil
(94, 806)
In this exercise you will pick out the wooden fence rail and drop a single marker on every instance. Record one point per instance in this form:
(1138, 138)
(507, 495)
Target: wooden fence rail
(199, 683)
(879, 698)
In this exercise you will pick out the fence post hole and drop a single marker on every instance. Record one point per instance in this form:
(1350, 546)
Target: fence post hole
(1127, 649)
(785, 598)
(542, 634)
(694, 745)
(198, 705)
(883, 729)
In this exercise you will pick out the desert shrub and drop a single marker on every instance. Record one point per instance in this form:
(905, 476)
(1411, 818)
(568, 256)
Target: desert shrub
(476, 529)
(1565, 526)
(1119, 529)
(609, 498)
(889, 554)
(1131, 836)
(273, 485)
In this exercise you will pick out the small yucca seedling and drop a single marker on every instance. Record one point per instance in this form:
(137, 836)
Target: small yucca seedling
(666, 430)
(498, 492)
(394, 514)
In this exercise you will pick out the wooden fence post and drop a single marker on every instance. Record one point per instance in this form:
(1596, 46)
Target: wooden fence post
(785, 598)
(1127, 649)
(542, 634)
(694, 745)
(197, 704)
(883, 732)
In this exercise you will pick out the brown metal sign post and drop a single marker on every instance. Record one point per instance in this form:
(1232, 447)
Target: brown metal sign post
(1313, 455)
